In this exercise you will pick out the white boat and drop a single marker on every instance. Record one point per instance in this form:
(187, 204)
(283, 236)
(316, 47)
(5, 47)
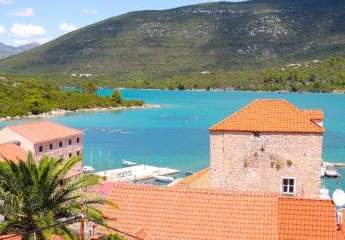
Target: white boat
(128, 163)
(88, 169)
(331, 172)
(163, 178)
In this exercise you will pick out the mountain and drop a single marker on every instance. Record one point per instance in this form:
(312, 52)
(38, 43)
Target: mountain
(7, 50)
(197, 38)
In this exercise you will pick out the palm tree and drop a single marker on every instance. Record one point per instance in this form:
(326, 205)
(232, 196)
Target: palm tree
(38, 201)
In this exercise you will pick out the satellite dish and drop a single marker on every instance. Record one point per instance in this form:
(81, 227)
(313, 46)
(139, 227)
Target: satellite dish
(339, 198)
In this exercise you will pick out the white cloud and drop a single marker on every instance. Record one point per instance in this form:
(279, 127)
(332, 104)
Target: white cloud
(2, 29)
(6, 1)
(90, 11)
(27, 30)
(67, 27)
(27, 12)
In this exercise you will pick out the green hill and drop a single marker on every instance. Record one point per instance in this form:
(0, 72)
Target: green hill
(207, 37)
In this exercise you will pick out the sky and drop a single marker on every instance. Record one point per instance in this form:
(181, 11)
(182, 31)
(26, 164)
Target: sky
(25, 21)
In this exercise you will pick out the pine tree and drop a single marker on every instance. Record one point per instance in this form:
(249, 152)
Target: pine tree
(116, 97)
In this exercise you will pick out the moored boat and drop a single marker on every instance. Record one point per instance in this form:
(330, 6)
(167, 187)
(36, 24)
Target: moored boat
(128, 163)
(163, 178)
(331, 172)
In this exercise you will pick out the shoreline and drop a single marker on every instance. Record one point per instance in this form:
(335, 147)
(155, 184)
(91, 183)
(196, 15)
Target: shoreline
(62, 112)
(335, 91)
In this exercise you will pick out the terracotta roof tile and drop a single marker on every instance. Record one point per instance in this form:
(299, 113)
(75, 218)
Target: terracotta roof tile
(18, 237)
(12, 152)
(265, 115)
(184, 213)
(197, 180)
(43, 131)
(10, 237)
(306, 219)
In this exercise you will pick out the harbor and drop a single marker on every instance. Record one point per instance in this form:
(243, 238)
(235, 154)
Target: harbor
(139, 173)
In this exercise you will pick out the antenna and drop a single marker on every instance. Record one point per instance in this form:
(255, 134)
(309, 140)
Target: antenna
(339, 198)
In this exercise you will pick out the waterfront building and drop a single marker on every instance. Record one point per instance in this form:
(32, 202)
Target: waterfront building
(41, 138)
(268, 146)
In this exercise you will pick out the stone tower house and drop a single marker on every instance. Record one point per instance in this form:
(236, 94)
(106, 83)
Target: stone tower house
(268, 146)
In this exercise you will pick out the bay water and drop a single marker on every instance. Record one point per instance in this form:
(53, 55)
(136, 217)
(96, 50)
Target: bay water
(176, 134)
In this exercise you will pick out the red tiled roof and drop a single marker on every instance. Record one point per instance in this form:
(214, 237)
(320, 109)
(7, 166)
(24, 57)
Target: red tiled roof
(18, 237)
(180, 213)
(12, 152)
(43, 131)
(264, 115)
(306, 219)
(10, 237)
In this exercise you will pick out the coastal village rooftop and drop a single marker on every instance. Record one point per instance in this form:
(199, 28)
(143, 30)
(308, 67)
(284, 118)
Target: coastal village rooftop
(41, 138)
(11, 151)
(175, 213)
(269, 115)
(43, 131)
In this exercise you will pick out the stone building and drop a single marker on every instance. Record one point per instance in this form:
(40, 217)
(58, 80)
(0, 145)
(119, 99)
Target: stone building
(268, 146)
(41, 138)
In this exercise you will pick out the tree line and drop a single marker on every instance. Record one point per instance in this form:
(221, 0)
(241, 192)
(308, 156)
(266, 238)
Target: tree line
(32, 96)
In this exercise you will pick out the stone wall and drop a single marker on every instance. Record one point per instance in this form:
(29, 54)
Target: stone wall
(241, 161)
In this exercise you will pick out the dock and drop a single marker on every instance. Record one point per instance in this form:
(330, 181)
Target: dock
(136, 173)
(334, 164)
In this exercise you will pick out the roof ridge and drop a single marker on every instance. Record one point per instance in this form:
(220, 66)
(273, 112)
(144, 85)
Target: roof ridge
(298, 198)
(193, 190)
(43, 130)
(234, 113)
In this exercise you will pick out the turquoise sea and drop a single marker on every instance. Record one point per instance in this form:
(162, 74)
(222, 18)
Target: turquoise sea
(176, 134)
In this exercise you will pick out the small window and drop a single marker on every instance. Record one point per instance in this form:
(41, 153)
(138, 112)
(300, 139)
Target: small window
(70, 155)
(60, 144)
(40, 149)
(256, 134)
(288, 186)
(70, 142)
(78, 140)
(78, 153)
(51, 146)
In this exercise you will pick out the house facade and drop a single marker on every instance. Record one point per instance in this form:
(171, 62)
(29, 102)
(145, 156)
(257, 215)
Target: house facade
(44, 138)
(268, 146)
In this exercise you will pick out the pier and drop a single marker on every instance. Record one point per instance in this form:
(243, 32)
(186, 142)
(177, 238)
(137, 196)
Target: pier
(336, 165)
(136, 173)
